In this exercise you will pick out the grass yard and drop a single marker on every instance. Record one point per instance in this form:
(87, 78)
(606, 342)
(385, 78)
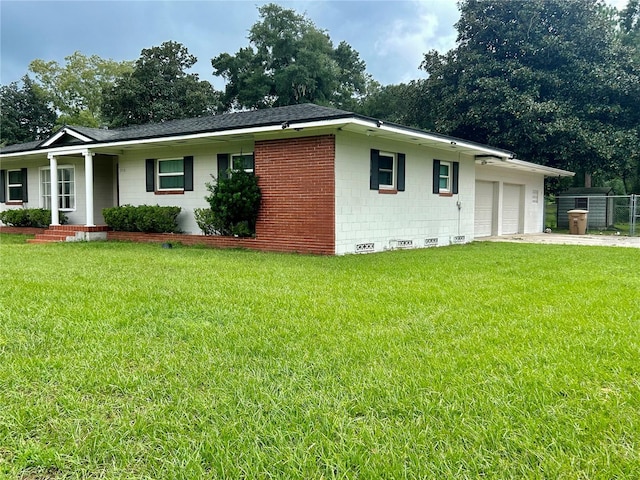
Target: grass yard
(485, 360)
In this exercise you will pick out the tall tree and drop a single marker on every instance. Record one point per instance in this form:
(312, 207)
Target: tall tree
(546, 78)
(290, 61)
(159, 89)
(75, 88)
(25, 114)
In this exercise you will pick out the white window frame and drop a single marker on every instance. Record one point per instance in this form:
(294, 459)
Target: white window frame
(394, 170)
(45, 198)
(233, 156)
(169, 174)
(14, 185)
(449, 166)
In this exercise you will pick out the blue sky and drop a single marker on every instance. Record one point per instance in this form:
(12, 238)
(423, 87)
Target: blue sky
(391, 35)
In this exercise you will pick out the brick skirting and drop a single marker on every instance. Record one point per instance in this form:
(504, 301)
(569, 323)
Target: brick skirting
(217, 242)
(21, 230)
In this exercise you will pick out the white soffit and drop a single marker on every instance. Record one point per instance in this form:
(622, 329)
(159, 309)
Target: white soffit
(522, 166)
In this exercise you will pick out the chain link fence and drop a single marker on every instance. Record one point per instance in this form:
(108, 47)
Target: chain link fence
(608, 214)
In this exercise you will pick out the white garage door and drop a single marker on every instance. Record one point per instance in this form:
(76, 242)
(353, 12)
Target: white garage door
(511, 209)
(483, 210)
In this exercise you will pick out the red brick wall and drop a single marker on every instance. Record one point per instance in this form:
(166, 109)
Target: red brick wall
(21, 230)
(298, 194)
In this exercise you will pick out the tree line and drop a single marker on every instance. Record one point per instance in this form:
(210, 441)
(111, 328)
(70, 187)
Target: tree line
(557, 81)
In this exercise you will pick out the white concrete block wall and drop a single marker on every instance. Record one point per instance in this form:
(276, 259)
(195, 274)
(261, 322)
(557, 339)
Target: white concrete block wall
(131, 171)
(417, 214)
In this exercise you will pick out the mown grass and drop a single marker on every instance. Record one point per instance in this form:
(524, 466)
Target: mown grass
(492, 360)
(13, 238)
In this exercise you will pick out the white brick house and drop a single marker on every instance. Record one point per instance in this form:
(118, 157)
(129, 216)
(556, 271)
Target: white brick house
(333, 182)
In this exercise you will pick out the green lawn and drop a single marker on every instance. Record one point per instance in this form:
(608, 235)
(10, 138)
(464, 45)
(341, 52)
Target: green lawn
(485, 360)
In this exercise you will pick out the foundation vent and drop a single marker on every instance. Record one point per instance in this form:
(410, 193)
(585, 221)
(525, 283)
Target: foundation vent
(458, 239)
(405, 244)
(364, 247)
(430, 242)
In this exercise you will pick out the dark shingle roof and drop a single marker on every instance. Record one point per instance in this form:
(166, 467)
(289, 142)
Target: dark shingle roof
(215, 123)
(21, 147)
(306, 112)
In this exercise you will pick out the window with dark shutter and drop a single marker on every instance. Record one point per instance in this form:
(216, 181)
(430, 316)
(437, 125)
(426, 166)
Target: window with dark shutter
(374, 178)
(401, 166)
(387, 171)
(3, 186)
(445, 177)
(223, 165)
(188, 174)
(150, 174)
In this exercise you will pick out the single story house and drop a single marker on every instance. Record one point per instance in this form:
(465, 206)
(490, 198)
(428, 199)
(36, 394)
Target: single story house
(332, 181)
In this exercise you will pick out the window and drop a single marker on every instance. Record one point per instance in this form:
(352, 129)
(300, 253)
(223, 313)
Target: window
(445, 177)
(387, 171)
(242, 161)
(66, 188)
(581, 203)
(236, 161)
(444, 181)
(13, 186)
(386, 163)
(169, 175)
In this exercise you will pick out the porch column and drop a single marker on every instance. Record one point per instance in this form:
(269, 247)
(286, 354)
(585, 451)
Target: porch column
(53, 170)
(88, 180)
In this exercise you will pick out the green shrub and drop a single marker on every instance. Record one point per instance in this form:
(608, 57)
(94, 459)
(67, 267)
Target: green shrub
(235, 202)
(30, 217)
(207, 221)
(143, 218)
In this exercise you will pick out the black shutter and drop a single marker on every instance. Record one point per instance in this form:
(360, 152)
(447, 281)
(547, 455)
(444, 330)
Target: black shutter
(223, 165)
(188, 174)
(374, 179)
(401, 162)
(151, 174)
(436, 176)
(3, 186)
(25, 195)
(454, 185)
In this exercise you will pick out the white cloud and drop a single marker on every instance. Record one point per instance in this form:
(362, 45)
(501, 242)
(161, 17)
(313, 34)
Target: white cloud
(409, 38)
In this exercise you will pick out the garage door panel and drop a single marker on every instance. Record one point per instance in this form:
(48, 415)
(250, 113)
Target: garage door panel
(511, 208)
(483, 210)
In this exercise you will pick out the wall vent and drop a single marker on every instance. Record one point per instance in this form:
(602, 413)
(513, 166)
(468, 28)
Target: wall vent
(430, 242)
(364, 247)
(404, 243)
(458, 239)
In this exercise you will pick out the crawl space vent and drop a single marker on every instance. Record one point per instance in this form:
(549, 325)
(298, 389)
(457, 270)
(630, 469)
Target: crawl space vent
(430, 242)
(457, 239)
(364, 247)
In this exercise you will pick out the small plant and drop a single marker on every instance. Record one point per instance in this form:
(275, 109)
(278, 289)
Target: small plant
(207, 221)
(30, 217)
(143, 218)
(235, 202)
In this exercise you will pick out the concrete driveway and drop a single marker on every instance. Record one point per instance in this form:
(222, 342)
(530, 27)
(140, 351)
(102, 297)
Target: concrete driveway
(561, 239)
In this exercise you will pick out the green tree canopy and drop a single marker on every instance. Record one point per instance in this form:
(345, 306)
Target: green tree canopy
(546, 78)
(290, 61)
(159, 89)
(25, 114)
(75, 88)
